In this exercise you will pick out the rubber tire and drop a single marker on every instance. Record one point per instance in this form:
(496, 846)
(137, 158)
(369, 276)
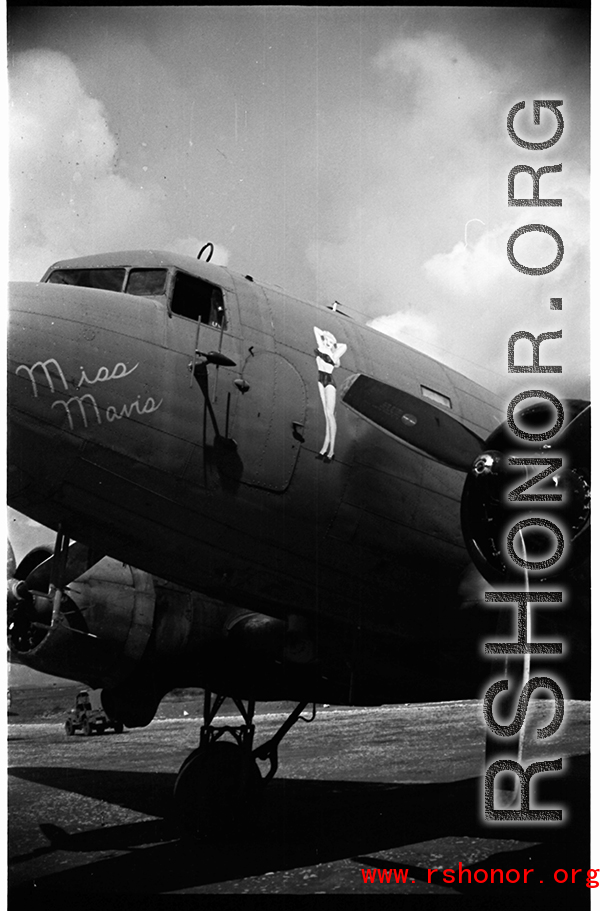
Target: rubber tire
(87, 728)
(69, 729)
(118, 726)
(216, 789)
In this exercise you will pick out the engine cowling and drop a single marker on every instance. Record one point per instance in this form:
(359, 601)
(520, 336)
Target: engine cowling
(488, 515)
(98, 634)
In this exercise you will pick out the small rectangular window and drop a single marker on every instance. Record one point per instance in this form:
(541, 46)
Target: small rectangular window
(437, 397)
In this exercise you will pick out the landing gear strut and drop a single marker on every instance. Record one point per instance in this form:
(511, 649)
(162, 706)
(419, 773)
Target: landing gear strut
(218, 785)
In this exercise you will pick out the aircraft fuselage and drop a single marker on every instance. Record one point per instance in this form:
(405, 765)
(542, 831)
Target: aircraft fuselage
(216, 479)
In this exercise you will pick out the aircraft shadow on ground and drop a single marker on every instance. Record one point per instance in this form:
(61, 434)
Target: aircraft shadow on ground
(299, 823)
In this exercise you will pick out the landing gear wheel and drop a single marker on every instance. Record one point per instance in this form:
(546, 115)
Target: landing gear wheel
(87, 728)
(216, 788)
(69, 730)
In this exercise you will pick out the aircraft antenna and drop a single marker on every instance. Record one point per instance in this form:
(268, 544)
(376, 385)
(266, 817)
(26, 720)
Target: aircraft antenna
(211, 251)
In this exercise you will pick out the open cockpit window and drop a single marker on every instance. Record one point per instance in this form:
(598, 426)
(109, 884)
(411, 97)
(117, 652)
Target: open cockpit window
(147, 282)
(194, 298)
(104, 279)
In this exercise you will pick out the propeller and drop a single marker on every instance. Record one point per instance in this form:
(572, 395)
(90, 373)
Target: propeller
(11, 562)
(38, 573)
(24, 609)
(32, 585)
(16, 588)
(487, 514)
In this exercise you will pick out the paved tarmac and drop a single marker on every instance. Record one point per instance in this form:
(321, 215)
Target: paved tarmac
(395, 788)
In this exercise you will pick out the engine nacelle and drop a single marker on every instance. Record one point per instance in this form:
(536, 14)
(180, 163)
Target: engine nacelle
(98, 634)
(137, 636)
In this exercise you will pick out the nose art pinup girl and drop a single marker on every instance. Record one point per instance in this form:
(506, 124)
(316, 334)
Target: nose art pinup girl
(329, 354)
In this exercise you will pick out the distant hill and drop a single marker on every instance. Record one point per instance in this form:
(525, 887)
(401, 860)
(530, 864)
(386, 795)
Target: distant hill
(19, 676)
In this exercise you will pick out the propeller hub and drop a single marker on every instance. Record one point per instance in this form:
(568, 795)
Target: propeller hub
(17, 591)
(486, 464)
(488, 513)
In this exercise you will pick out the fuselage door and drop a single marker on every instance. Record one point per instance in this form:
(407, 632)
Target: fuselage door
(271, 412)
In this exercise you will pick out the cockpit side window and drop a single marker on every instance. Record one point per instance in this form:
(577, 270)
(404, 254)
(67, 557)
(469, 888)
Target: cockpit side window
(194, 298)
(105, 279)
(147, 282)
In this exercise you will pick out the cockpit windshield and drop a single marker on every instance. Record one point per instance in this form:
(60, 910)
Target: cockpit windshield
(147, 282)
(189, 296)
(141, 282)
(105, 279)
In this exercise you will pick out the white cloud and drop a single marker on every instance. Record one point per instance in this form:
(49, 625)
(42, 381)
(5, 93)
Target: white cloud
(438, 158)
(466, 269)
(412, 328)
(67, 195)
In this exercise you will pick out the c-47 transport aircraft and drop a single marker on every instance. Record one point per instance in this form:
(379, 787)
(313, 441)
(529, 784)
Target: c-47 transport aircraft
(288, 484)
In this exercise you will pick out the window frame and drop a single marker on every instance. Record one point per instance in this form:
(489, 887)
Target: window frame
(171, 287)
(438, 398)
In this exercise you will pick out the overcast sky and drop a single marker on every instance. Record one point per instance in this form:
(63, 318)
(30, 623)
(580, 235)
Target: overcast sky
(358, 155)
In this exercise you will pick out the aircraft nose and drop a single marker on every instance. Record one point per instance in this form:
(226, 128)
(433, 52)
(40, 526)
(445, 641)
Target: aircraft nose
(54, 327)
(36, 326)
(45, 300)
(36, 341)
(35, 374)
(53, 330)
(33, 297)
(80, 361)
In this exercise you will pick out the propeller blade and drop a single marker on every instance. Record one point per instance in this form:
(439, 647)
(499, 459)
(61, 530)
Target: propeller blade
(39, 575)
(11, 563)
(17, 590)
(413, 421)
(32, 559)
